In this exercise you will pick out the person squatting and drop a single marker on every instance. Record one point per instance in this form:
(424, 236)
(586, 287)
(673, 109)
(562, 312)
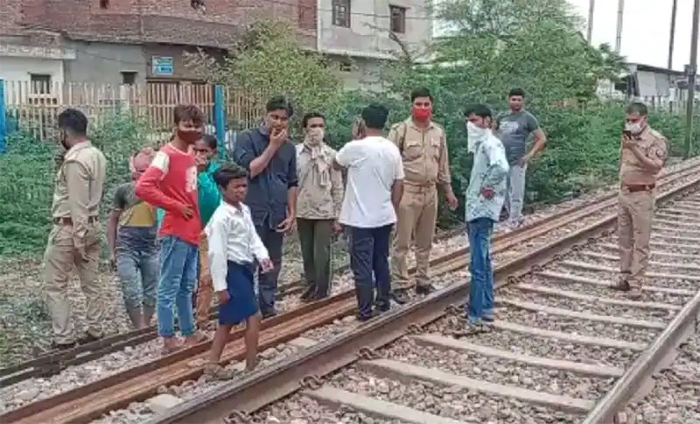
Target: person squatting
(188, 229)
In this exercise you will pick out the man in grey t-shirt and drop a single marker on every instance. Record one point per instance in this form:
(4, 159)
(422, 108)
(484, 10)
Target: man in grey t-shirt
(514, 128)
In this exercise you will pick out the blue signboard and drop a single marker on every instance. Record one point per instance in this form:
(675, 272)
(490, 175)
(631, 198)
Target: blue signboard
(162, 65)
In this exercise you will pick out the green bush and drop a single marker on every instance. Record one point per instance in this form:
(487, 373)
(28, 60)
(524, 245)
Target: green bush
(27, 174)
(582, 151)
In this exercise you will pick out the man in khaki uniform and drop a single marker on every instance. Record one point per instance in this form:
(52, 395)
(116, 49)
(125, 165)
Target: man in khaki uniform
(74, 240)
(424, 152)
(642, 156)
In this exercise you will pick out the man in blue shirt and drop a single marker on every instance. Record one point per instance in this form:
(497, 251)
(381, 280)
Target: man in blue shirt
(484, 200)
(271, 161)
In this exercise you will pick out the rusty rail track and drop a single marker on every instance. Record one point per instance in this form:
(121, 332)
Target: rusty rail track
(90, 401)
(55, 361)
(234, 403)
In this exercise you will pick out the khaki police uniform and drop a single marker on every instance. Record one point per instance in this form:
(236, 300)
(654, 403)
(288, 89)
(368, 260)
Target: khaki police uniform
(425, 161)
(74, 240)
(636, 206)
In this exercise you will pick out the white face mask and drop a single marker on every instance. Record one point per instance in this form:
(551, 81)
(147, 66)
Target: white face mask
(633, 127)
(314, 136)
(475, 135)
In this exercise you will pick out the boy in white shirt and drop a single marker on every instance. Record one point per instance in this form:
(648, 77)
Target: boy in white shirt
(234, 245)
(372, 195)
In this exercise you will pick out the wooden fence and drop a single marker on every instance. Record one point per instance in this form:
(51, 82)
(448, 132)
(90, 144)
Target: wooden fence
(34, 106)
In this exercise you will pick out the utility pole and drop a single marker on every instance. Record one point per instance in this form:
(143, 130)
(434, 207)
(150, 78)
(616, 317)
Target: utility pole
(672, 36)
(620, 14)
(692, 79)
(591, 10)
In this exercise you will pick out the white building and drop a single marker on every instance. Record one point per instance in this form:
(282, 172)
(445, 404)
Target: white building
(33, 70)
(355, 34)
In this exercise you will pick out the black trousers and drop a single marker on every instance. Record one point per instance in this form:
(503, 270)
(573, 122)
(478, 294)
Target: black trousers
(267, 282)
(369, 261)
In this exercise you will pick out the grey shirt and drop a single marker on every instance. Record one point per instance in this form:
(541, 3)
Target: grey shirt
(267, 191)
(514, 129)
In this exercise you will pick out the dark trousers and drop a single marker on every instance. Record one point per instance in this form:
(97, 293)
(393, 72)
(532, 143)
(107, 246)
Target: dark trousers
(369, 260)
(267, 282)
(315, 238)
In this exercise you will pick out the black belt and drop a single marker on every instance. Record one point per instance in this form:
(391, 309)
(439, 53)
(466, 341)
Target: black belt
(640, 187)
(69, 221)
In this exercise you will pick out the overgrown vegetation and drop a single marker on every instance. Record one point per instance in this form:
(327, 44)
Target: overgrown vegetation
(496, 45)
(27, 173)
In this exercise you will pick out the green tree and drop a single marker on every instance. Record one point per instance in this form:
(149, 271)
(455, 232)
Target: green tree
(271, 59)
(496, 45)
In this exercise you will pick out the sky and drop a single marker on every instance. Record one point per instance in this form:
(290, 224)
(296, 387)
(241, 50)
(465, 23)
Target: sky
(645, 29)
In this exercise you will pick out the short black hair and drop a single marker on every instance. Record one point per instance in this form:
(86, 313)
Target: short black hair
(637, 107)
(228, 172)
(211, 141)
(421, 92)
(311, 115)
(183, 113)
(73, 122)
(375, 116)
(516, 92)
(279, 103)
(478, 109)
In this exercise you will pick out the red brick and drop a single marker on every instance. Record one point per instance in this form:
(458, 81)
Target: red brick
(159, 21)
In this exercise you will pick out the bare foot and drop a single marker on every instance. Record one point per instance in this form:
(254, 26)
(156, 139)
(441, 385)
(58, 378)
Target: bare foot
(251, 365)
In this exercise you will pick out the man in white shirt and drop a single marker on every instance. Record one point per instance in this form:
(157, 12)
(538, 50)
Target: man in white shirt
(373, 193)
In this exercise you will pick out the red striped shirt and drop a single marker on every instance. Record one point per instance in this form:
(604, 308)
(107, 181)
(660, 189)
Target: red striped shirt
(169, 183)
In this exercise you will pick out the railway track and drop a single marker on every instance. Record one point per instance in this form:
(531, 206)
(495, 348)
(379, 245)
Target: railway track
(54, 361)
(674, 398)
(565, 348)
(88, 402)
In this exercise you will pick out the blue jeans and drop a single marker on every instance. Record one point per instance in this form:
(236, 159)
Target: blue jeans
(138, 268)
(178, 274)
(480, 305)
(369, 261)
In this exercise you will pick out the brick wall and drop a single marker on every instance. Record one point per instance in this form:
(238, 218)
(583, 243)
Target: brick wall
(159, 21)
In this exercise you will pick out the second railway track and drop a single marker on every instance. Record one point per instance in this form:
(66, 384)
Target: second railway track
(53, 362)
(120, 390)
(565, 348)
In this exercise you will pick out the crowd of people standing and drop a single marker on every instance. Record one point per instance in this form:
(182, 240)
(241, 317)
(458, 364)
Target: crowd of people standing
(187, 228)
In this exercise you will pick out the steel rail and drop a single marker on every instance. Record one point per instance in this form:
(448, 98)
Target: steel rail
(643, 368)
(307, 368)
(55, 361)
(52, 362)
(99, 396)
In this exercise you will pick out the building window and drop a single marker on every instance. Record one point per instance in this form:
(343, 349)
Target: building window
(341, 13)
(41, 84)
(104, 4)
(129, 77)
(398, 19)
